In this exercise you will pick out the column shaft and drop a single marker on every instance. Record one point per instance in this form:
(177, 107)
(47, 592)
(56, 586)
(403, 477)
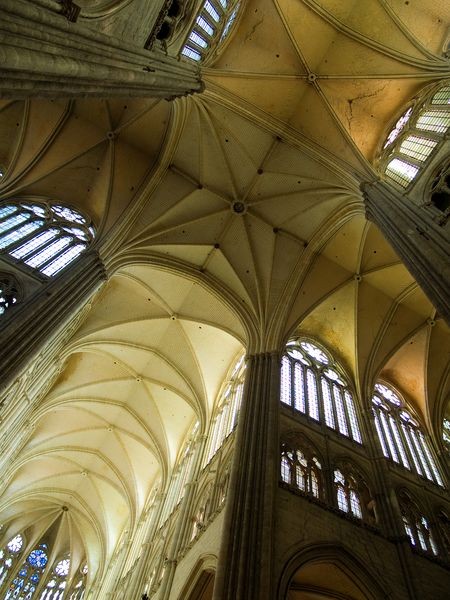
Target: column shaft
(245, 562)
(43, 54)
(422, 244)
(30, 327)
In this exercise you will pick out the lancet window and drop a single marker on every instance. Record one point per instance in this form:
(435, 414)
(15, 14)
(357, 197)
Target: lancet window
(180, 475)
(9, 555)
(226, 415)
(301, 467)
(417, 133)
(79, 584)
(27, 578)
(211, 25)
(313, 384)
(56, 585)
(417, 526)
(400, 435)
(46, 237)
(352, 493)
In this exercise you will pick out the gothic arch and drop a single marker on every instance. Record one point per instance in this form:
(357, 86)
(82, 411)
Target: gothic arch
(338, 560)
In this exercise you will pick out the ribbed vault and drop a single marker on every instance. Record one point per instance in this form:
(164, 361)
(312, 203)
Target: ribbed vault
(226, 220)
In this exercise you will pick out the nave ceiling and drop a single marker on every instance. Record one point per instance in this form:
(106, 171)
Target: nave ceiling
(226, 220)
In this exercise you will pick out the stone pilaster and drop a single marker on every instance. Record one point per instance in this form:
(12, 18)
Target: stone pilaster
(245, 561)
(422, 244)
(42, 53)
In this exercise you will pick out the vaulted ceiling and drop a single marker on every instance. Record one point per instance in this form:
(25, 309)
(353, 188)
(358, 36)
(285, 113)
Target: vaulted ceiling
(226, 220)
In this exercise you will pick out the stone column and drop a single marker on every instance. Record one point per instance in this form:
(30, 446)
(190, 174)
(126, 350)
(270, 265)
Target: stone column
(27, 331)
(245, 562)
(422, 244)
(42, 53)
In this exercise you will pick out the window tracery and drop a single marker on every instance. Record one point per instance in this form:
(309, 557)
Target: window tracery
(352, 493)
(312, 383)
(56, 585)
(26, 580)
(301, 467)
(211, 25)
(416, 134)
(9, 556)
(416, 525)
(401, 438)
(46, 237)
(225, 419)
(79, 584)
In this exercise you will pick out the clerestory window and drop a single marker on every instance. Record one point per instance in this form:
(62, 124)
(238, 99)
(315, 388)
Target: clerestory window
(401, 438)
(46, 237)
(313, 383)
(9, 556)
(415, 136)
(79, 584)
(225, 418)
(27, 578)
(211, 25)
(56, 584)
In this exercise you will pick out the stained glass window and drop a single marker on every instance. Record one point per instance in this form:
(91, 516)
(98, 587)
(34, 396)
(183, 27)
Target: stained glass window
(212, 24)
(416, 134)
(26, 580)
(78, 587)
(46, 237)
(401, 438)
(313, 384)
(9, 556)
(56, 584)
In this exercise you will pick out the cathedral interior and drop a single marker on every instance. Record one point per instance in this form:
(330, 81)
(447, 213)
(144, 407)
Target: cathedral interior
(224, 299)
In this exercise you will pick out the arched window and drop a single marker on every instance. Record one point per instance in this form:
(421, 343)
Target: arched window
(9, 292)
(180, 475)
(401, 438)
(211, 25)
(416, 134)
(446, 433)
(9, 556)
(225, 418)
(56, 585)
(352, 493)
(46, 237)
(79, 584)
(313, 384)
(30, 573)
(301, 467)
(416, 525)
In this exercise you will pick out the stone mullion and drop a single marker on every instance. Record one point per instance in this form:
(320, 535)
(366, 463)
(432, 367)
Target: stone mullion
(245, 560)
(421, 243)
(41, 53)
